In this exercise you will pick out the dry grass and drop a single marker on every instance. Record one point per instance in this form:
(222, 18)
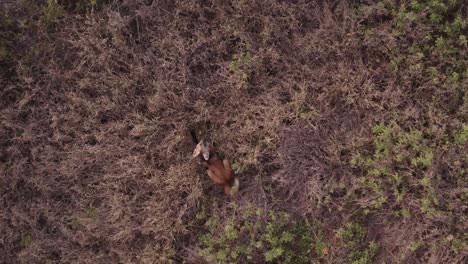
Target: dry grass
(94, 147)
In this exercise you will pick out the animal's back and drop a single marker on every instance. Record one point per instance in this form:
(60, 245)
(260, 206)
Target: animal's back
(218, 168)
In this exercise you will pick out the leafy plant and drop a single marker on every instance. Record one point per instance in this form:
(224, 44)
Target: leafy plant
(415, 245)
(53, 11)
(273, 236)
(240, 64)
(353, 236)
(397, 156)
(461, 137)
(26, 240)
(8, 36)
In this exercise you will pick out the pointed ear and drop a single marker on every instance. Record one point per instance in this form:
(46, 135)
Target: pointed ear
(196, 152)
(206, 155)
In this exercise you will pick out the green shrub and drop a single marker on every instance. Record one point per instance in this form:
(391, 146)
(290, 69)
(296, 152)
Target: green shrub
(53, 11)
(415, 245)
(461, 137)
(273, 236)
(366, 256)
(353, 236)
(26, 240)
(8, 36)
(240, 64)
(437, 55)
(397, 156)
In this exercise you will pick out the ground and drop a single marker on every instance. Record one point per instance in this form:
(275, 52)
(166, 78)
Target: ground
(345, 122)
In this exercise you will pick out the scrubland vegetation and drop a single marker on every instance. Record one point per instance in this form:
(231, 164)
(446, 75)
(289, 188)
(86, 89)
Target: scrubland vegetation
(345, 121)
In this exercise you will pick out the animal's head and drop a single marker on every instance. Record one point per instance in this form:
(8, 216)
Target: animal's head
(202, 148)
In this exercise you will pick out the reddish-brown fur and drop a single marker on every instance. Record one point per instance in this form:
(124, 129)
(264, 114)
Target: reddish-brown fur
(219, 171)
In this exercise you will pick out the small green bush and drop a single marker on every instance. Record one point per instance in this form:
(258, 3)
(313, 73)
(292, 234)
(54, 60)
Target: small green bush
(461, 137)
(353, 236)
(273, 236)
(8, 36)
(415, 245)
(240, 64)
(391, 167)
(53, 11)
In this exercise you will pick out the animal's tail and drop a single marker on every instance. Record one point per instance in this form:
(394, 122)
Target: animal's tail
(232, 189)
(194, 136)
(236, 184)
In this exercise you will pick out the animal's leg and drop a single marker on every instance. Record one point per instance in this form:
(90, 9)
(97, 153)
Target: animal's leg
(227, 189)
(214, 177)
(226, 164)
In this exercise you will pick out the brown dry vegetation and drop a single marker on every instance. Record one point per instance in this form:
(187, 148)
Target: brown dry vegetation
(346, 122)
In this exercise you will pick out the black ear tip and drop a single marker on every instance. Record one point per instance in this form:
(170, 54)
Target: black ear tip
(193, 136)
